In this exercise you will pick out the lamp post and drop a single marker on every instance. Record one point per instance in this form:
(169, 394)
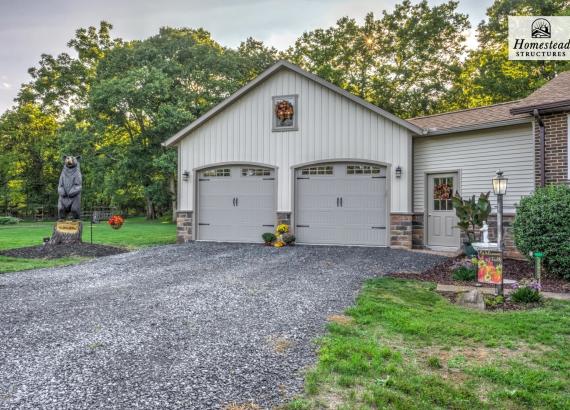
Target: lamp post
(500, 189)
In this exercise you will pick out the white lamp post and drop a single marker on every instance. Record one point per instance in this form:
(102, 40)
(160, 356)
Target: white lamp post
(500, 189)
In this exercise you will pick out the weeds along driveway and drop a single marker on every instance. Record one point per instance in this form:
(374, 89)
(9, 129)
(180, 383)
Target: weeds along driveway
(183, 326)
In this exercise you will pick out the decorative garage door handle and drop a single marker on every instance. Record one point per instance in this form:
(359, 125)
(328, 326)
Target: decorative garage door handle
(269, 225)
(302, 226)
(237, 201)
(234, 201)
(337, 201)
(203, 224)
(378, 227)
(341, 201)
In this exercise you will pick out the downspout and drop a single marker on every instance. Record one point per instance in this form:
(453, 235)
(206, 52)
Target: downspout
(541, 134)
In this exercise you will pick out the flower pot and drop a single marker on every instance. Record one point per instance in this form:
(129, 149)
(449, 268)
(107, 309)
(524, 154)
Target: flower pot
(116, 226)
(469, 250)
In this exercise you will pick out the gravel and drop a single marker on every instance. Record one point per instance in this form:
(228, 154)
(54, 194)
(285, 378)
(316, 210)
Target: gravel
(195, 326)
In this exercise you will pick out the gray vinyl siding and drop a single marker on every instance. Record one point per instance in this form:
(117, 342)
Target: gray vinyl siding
(331, 127)
(476, 156)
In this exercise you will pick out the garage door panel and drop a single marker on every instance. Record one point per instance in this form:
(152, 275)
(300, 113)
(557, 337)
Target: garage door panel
(237, 205)
(359, 219)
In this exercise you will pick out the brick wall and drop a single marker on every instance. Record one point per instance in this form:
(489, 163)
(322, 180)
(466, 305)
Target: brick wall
(183, 226)
(556, 148)
(401, 231)
(284, 218)
(418, 231)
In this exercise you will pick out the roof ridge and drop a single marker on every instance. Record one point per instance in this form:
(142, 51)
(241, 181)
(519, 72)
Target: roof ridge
(465, 109)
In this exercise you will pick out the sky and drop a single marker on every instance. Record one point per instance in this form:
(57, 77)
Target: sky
(31, 27)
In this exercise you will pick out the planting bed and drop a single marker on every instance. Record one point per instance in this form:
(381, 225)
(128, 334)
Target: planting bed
(514, 269)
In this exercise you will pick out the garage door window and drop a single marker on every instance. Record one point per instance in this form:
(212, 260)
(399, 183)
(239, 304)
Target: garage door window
(255, 172)
(218, 172)
(356, 169)
(321, 170)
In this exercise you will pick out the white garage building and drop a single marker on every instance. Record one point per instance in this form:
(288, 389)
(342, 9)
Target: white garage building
(290, 147)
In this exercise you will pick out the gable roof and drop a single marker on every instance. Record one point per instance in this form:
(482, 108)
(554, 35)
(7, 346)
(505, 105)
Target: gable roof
(281, 65)
(469, 119)
(552, 95)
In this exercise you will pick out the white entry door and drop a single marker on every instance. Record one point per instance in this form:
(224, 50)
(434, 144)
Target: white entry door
(342, 204)
(441, 224)
(235, 203)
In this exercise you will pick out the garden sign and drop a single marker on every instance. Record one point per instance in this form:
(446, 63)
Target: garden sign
(490, 266)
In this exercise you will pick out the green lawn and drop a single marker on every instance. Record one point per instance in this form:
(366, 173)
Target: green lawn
(135, 233)
(403, 346)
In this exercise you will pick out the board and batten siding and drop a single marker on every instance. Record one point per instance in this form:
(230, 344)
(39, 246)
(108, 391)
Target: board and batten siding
(331, 127)
(477, 155)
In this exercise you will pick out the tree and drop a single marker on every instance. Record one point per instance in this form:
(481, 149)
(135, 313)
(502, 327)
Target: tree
(145, 91)
(404, 62)
(488, 76)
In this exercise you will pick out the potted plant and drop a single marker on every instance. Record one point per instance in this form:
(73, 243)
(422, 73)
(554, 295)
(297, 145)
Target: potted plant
(268, 238)
(116, 221)
(471, 213)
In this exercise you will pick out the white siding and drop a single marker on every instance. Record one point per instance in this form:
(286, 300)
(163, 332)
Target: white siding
(330, 127)
(477, 156)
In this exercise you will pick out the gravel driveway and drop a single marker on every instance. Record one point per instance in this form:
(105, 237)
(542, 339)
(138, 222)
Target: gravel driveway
(193, 326)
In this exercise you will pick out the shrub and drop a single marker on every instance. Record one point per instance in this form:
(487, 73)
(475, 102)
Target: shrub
(542, 223)
(471, 213)
(288, 238)
(9, 220)
(268, 237)
(526, 292)
(465, 274)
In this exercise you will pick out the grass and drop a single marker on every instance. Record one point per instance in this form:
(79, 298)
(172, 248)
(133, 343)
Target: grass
(409, 348)
(135, 233)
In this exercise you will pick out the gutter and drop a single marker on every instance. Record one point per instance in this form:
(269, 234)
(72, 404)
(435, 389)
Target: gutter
(542, 135)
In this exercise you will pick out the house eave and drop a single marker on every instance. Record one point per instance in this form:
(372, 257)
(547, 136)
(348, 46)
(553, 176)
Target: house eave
(467, 128)
(546, 108)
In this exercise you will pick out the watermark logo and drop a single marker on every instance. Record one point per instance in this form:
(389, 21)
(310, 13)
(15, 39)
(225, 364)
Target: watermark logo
(539, 38)
(541, 28)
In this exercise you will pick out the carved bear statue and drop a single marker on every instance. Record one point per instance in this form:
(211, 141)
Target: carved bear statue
(69, 189)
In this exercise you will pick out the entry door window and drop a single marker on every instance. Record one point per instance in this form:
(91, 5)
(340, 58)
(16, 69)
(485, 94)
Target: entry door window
(442, 194)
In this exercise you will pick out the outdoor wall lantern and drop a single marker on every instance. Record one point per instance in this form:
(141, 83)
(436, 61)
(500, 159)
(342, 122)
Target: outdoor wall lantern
(185, 175)
(398, 171)
(500, 184)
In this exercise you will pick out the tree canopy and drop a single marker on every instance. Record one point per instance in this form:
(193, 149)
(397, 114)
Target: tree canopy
(115, 101)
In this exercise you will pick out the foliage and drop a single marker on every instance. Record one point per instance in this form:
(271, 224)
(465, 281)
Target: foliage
(465, 274)
(388, 356)
(494, 301)
(403, 62)
(288, 238)
(282, 228)
(487, 75)
(268, 237)
(9, 220)
(471, 212)
(526, 292)
(116, 221)
(542, 224)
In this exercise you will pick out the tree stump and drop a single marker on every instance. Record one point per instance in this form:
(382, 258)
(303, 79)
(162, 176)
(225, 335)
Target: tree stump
(66, 232)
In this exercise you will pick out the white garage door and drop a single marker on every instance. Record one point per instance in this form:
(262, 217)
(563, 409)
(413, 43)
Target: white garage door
(341, 203)
(235, 203)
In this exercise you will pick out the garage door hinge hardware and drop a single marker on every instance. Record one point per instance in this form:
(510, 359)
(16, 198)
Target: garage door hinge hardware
(203, 179)
(302, 177)
(203, 224)
(302, 226)
(378, 227)
(269, 179)
(268, 225)
(379, 177)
